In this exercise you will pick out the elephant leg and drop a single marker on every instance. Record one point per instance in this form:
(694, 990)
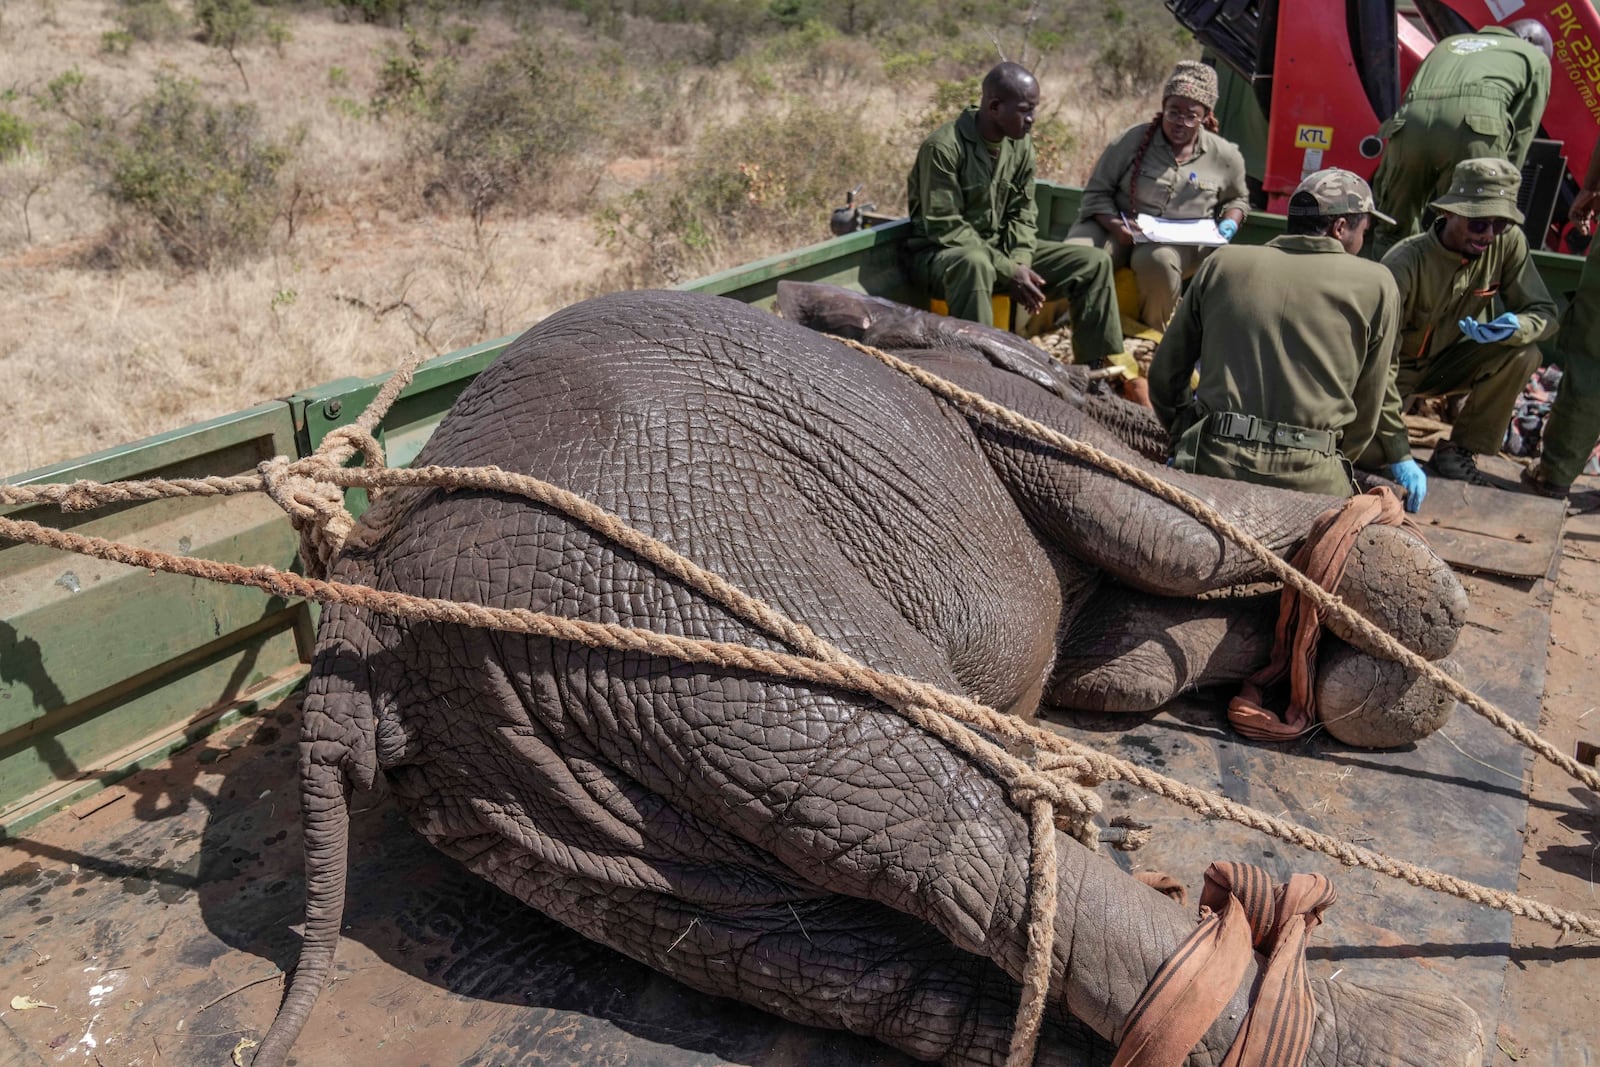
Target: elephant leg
(1133, 652)
(829, 961)
(1129, 651)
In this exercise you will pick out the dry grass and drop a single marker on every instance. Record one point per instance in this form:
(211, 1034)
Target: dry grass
(94, 358)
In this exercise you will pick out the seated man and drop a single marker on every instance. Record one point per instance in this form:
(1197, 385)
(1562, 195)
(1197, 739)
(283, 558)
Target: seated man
(973, 221)
(1452, 341)
(1294, 341)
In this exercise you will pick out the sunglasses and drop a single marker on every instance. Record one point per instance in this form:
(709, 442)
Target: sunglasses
(1481, 226)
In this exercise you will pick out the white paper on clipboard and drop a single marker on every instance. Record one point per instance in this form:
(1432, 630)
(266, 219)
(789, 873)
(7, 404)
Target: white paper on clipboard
(1153, 230)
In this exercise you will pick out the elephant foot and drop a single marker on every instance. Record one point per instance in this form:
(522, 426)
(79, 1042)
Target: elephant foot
(1130, 651)
(1393, 579)
(1360, 1024)
(1376, 703)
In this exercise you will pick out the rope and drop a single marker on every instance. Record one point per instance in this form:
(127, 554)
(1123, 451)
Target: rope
(1214, 520)
(1061, 760)
(1052, 793)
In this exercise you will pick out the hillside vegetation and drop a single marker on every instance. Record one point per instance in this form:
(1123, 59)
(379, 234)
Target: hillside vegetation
(205, 204)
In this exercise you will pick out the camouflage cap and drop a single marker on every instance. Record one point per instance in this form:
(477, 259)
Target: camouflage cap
(1483, 189)
(1335, 192)
(1193, 80)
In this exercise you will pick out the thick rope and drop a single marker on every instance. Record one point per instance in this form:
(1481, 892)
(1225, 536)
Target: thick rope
(1327, 603)
(303, 489)
(1061, 758)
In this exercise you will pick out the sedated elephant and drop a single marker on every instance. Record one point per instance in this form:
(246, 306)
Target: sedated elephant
(799, 848)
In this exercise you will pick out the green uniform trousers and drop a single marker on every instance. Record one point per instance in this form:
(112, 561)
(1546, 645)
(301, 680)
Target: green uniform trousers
(1574, 424)
(1299, 469)
(965, 278)
(1160, 269)
(1419, 162)
(1491, 375)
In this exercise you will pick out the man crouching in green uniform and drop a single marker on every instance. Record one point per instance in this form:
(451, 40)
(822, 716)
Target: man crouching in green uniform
(1473, 309)
(1294, 341)
(974, 221)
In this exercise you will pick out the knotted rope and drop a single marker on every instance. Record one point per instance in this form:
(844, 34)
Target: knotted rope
(1051, 792)
(315, 506)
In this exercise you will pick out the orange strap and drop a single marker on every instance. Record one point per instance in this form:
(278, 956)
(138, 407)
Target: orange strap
(1241, 912)
(1294, 648)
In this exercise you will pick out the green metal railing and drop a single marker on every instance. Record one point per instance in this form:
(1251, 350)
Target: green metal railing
(104, 669)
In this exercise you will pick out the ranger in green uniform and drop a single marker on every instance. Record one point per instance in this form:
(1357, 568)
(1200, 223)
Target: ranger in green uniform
(1574, 425)
(1476, 94)
(973, 221)
(1473, 308)
(1294, 341)
(1176, 166)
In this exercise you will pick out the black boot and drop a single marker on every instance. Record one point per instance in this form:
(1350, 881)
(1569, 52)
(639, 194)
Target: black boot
(1452, 461)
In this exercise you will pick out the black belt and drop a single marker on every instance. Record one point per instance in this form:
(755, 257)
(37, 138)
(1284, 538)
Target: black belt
(1240, 427)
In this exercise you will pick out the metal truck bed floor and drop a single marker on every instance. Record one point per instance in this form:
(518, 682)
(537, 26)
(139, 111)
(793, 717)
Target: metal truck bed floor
(187, 887)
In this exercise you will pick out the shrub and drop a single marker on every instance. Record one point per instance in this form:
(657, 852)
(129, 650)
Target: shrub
(149, 20)
(407, 82)
(16, 136)
(228, 24)
(385, 11)
(116, 42)
(510, 124)
(201, 176)
(763, 184)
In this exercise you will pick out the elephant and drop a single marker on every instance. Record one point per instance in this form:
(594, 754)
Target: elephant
(796, 846)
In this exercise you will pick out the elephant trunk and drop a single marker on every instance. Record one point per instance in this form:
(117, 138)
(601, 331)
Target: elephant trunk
(325, 818)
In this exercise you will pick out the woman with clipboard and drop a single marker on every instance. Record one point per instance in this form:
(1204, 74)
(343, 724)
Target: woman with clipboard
(1174, 167)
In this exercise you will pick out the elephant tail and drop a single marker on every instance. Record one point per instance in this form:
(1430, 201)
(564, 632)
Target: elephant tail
(325, 818)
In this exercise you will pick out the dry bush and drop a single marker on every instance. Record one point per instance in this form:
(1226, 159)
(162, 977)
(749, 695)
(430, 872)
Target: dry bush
(149, 20)
(502, 130)
(761, 184)
(195, 180)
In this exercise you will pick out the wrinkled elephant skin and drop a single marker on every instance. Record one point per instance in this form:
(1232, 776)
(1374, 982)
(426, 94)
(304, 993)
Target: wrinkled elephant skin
(796, 847)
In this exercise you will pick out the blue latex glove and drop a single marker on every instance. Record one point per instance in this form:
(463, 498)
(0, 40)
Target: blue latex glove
(1495, 330)
(1227, 227)
(1409, 474)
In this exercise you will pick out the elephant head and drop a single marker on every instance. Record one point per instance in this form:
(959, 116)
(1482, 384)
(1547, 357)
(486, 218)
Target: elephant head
(796, 846)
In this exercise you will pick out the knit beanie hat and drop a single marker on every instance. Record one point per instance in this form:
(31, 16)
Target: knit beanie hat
(1193, 79)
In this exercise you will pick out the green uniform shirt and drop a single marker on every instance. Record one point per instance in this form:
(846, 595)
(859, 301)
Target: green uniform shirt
(1204, 187)
(961, 196)
(1296, 331)
(1510, 76)
(1439, 288)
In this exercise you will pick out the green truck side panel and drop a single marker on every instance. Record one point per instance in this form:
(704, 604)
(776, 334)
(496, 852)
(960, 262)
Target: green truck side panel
(104, 669)
(96, 658)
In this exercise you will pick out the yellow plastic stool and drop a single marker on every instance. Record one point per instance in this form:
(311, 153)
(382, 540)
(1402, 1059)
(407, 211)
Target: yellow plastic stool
(999, 303)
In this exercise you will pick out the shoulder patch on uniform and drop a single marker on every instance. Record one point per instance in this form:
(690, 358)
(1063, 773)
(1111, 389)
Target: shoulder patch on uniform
(1466, 46)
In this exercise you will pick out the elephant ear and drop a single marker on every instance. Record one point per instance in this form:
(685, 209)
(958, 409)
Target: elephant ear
(885, 324)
